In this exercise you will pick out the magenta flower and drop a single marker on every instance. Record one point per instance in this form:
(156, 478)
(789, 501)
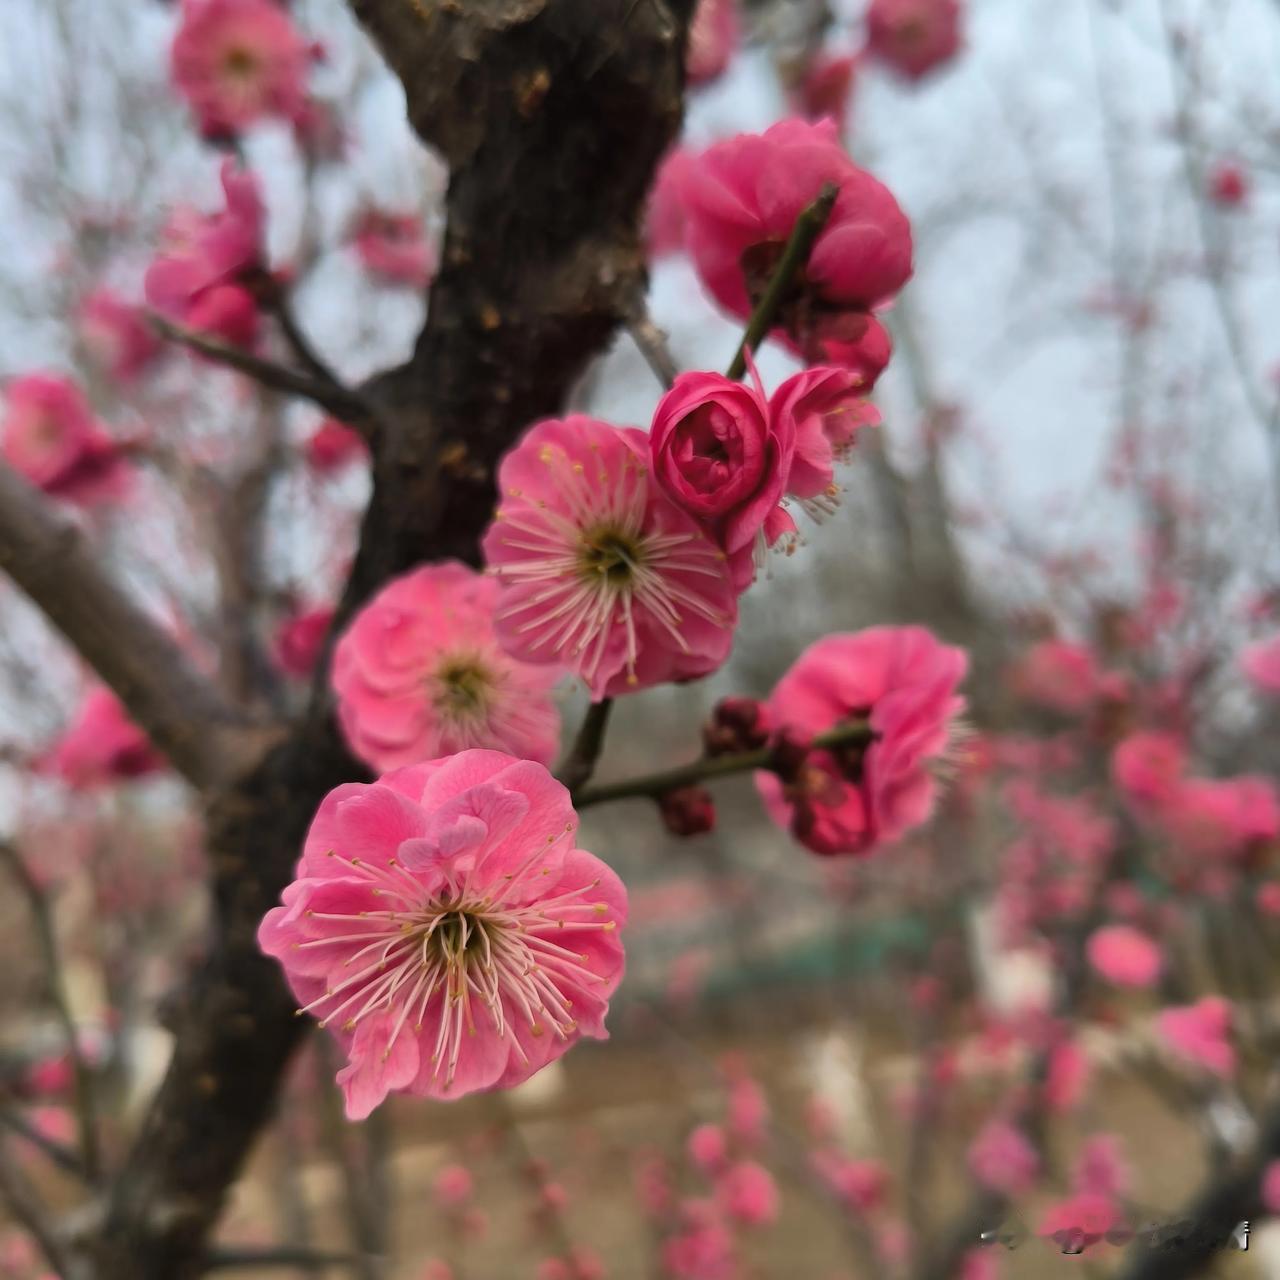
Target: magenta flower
(1271, 1188)
(1002, 1159)
(117, 335)
(599, 570)
(747, 1193)
(1228, 185)
(1147, 767)
(447, 930)
(1124, 956)
(50, 436)
(420, 674)
(825, 86)
(902, 682)
(722, 455)
(299, 639)
(1080, 1221)
(393, 247)
(1261, 663)
(1059, 675)
(1225, 817)
(101, 745)
(914, 37)
(332, 446)
(238, 61)
(713, 40)
(742, 201)
(1200, 1034)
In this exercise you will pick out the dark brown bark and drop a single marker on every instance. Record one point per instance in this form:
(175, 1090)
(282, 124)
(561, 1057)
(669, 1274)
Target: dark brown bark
(552, 115)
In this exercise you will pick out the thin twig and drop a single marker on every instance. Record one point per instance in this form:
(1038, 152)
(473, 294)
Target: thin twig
(63, 1157)
(301, 344)
(855, 733)
(652, 344)
(42, 917)
(804, 234)
(577, 767)
(280, 1256)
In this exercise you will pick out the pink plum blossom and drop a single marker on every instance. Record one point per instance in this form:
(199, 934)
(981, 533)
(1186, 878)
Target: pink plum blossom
(419, 673)
(1261, 663)
(446, 928)
(332, 446)
(1002, 1159)
(1200, 1034)
(914, 37)
(1228, 185)
(102, 745)
(664, 216)
(1080, 1221)
(50, 436)
(238, 61)
(902, 681)
(117, 335)
(299, 639)
(453, 1187)
(825, 86)
(747, 1193)
(708, 1147)
(599, 570)
(1099, 1168)
(742, 201)
(1225, 816)
(860, 1184)
(1124, 956)
(713, 40)
(393, 248)
(1148, 768)
(1271, 1188)
(703, 1247)
(748, 1111)
(1059, 675)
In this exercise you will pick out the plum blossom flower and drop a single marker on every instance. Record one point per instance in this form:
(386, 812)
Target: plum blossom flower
(1060, 675)
(713, 39)
(453, 1187)
(1100, 1169)
(914, 37)
(747, 1193)
(825, 86)
(1080, 1221)
(742, 200)
(598, 569)
(1200, 1034)
(238, 61)
(419, 673)
(702, 1249)
(1002, 1159)
(1271, 1188)
(102, 745)
(299, 639)
(1228, 185)
(446, 928)
(708, 1147)
(1124, 956)
(50, 436)
(332, 446)
(720, 454)
(902, 682)
(1261, 663)
(1225, 817)
(1147, 767)
(117, 335)
(393, 248)
(664, 216)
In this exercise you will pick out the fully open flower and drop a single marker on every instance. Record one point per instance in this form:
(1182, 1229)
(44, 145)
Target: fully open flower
(51, 437)
(419, 674)
(742, 201)
(445, 928)
(117, 335)
(393, 247)
(600, 571)
(237, 61)
(102, 745)
(914, 36)
(899, 681)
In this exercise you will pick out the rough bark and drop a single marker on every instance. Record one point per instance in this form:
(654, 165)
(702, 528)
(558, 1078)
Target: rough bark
(552, 115)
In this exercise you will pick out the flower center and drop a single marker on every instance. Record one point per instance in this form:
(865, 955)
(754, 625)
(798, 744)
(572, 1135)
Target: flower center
(609, 554)
(240, 64)
(463, 686)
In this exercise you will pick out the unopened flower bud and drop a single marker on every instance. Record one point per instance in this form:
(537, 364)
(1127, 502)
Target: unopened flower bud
(736, 724)
(688, 811)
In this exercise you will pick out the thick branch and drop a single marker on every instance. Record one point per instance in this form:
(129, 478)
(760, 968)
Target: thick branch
(181, 711)
(577, 767)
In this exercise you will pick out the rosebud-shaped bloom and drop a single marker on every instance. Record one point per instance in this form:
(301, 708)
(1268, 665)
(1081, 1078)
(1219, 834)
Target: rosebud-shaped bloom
(393, 247)
(687, 811)
(1059, 675)
(720, 454)
(713, 39)
(1148, 767)
(1228, 185)
(1124, 956)
(238, 61)
(102, 745)
(914, 36)
(1200, 1034)
(117, 335)
(742, 202)
(299, 638)
(332, 446)
(827, 407)
(599, 570)
(419, 673)
(747, 1193)
(50, 437)
(825, 86)
(444, 926)
(902, 682)
(1002, 1159)
(1261, 663)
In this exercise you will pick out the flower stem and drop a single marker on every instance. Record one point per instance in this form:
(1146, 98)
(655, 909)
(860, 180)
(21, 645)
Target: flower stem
(809, 225)
(577, 767)
(853, 733)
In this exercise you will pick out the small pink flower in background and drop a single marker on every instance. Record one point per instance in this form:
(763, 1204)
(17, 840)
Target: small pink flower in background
(117, 335)
(979, 1264)
(748, 1111)
(1002, 1159)
(720, 454)
(1261, 663)
(1067, 1076)
(419, 673)
(1100, 1169)
(914, 37)
(102, 745)
(664, 216)
(708, 1147)
(713, 40)
(1271, 1188)
(1059, 675)
(1200, 1034)
(903, 682)
(50, 1077)
(437, 1269)
(204, 261)
(581, 1264)
(1225, 817)
(1148, 768)
(1124, 956)
(1080, 1221)
(702, 1249)
(747, 1193)
(453, 1187)
(825, 86)
(860, 1184)
(1268, 898)
(598, 570)
(826, 407)
(50, 437)
(742, 200)
(56, 1124)
(237, 62)
(393, 248)
(332, 446)
(1228, 185)
(299, 638)
(652, 1181)
(446, 929)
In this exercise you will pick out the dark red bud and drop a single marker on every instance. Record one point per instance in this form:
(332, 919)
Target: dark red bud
(688, 811)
